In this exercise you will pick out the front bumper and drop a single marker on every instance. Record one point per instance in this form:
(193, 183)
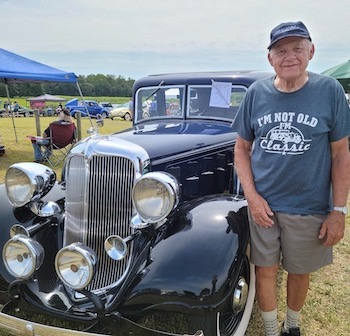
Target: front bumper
(20, 327)
(17, 326)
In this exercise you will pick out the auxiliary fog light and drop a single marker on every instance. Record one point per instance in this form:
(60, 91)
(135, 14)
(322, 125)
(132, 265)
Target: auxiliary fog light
(75, 265)
(22, 256)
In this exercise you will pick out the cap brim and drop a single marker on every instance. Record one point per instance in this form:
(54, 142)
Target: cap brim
(288, 35)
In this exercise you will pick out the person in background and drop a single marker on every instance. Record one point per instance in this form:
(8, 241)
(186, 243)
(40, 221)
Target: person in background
(293, 161)
(153, 107)
(59, 108)
(16, 109)
(64, 117)
(131, 107)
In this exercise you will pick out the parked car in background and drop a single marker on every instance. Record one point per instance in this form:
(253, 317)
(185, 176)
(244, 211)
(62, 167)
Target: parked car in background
(147, 232)
(107, 105)
(122, 111)
(22, 111)
(48, 112)
(90, 107)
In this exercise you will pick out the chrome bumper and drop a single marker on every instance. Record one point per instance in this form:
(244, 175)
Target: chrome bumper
(19, 327)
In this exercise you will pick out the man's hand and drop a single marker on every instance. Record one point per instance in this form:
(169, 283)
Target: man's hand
(333, 228)
(260, 211)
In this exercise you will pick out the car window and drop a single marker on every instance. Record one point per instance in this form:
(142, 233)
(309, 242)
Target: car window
(159, 102)
(203, 104)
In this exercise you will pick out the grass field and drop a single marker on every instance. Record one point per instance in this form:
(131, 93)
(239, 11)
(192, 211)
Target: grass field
(327, 310)
(23, 150)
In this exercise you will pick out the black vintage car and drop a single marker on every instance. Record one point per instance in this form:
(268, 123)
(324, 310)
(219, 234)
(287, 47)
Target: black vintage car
(146, 233)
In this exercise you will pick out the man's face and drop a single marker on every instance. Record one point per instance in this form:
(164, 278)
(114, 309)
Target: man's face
(290, 57)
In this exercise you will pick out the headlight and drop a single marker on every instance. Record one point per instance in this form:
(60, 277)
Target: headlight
(155, 195)
(28, 181)
(22, 256)
(75, 265)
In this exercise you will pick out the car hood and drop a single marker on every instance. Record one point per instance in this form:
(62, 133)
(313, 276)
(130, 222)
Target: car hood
(160, 140)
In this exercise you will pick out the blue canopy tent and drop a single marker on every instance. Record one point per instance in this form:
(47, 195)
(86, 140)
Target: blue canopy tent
(18, 69)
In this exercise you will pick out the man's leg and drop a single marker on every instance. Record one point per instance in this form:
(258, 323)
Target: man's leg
(38, 156)
(37, 152)
(266, 291)
(297, 288)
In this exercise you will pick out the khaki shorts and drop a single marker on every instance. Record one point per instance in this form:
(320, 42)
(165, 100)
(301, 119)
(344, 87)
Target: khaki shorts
(293, 239)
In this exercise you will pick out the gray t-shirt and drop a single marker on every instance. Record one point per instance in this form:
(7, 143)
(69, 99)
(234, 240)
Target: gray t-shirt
(291, 159)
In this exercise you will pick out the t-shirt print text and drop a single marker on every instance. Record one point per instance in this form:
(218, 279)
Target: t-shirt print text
(285, 137)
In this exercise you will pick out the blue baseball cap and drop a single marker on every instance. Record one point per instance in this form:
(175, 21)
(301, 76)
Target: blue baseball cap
(288, 29)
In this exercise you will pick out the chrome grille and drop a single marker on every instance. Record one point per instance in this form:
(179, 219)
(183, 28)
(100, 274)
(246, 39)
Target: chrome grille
(99, 204)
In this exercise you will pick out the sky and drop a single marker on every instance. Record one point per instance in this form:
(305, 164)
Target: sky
(135, 38)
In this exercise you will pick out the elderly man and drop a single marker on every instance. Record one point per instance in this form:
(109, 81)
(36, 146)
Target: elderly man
(293, 161)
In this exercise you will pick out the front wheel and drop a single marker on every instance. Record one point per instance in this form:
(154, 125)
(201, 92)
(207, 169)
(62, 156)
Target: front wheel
(104, 115)
(233, 320)
(127, 117)
(145, 114)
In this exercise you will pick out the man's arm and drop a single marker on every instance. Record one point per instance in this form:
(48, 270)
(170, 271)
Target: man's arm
(333, 227)
(258, 206)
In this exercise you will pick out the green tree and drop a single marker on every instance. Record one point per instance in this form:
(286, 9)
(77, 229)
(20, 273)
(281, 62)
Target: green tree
(91, 85)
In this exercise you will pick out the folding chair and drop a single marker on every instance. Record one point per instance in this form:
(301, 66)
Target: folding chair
(62, 138)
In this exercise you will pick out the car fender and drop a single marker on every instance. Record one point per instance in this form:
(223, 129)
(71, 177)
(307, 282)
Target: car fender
(75, 111)
(198, 256)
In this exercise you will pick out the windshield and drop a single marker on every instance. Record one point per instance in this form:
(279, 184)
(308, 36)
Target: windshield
(160, 102)
(216, 101)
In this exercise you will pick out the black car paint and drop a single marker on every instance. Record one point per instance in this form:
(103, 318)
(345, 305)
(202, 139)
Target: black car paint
(170, 261)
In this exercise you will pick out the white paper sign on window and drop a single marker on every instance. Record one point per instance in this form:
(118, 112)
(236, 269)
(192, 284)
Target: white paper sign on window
(220, 94)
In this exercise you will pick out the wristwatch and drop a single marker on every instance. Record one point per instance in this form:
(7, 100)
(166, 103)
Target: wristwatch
(343, 210)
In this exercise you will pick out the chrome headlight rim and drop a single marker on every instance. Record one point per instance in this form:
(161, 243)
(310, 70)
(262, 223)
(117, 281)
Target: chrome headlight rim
(88, 263)
(35, 254)
(240, 295)
(144, 207)
(27, 181)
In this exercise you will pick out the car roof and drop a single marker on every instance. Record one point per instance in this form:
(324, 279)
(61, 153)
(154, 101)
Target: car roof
(243, 77)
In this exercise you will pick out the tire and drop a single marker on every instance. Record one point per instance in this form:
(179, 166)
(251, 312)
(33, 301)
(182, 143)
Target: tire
(27, 114)
(104, 115)
(127, 117)
(230, 323)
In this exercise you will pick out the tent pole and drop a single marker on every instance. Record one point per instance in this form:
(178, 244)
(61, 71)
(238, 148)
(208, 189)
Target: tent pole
(87, 111)
(12, 114)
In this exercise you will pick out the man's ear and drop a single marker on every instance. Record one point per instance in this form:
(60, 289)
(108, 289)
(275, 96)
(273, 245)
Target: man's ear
(269, 58)
(312, 51)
